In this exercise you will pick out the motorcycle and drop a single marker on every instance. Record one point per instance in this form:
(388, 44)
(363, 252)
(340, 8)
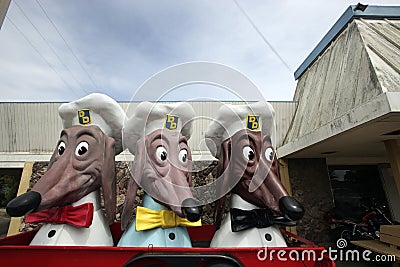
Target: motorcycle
(362, 224)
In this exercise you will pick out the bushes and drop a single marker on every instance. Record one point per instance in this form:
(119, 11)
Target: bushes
(8, 188)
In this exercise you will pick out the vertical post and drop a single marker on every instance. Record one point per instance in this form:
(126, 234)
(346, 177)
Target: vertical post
(4, 4)
(23, 187)
(284, 174)
(393, 153)
(285, 180)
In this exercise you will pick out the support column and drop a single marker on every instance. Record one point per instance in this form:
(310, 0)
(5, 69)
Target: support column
(284, 173)
(285, 179)
(15, 222)
(393, 153)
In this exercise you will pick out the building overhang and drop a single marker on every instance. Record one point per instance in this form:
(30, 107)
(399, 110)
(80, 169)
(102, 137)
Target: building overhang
(358, 133)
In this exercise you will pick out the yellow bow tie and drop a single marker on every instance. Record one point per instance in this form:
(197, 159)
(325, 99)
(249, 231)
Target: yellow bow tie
(148, 219)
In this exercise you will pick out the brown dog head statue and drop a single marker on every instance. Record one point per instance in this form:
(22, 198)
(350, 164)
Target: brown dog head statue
(157, 134)
(83, 160)
(242, 138)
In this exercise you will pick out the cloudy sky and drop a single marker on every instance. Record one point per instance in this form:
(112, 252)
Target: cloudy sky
(58, 50)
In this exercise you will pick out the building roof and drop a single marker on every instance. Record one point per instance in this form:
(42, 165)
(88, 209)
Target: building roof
(352, 12)
(349, 96)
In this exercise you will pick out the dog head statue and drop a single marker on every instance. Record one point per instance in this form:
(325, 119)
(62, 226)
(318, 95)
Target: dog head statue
(157, 134)
(242, 137)
(83, 160)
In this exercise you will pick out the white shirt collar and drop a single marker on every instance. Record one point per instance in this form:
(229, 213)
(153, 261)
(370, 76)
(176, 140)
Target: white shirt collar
(240, 203)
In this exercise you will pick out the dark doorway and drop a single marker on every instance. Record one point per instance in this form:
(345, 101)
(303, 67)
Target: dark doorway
(356, 187)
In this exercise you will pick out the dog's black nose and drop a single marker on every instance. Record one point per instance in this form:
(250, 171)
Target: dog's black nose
(23, 204)
(190, 210)
(291, 208)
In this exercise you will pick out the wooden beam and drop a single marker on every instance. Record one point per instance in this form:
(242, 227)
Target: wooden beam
(284, 173)
(4, 4)
(379, 247)
(393, 153)
(285, 180)
(23, 187)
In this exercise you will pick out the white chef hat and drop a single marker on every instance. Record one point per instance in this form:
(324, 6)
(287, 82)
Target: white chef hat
(95, 109)
(149, 117)
(230, 119)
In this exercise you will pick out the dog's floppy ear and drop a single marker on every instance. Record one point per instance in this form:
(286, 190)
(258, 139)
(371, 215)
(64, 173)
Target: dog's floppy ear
(137, 172)
(108, 181)
(223, 173)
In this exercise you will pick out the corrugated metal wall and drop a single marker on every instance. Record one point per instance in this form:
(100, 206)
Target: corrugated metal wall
(29, 127)
(35, 127)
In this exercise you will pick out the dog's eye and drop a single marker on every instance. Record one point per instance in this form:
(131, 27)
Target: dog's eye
(61, 148)
(248, 153)
(82, 148)
(161, 153)
(269, 153)
(183, 155)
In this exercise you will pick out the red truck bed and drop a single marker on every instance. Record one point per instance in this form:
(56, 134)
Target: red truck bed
(15, 251)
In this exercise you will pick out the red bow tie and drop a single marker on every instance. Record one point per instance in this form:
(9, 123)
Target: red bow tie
(80, 216)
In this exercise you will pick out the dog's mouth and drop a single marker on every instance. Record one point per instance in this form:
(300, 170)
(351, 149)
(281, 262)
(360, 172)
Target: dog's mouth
(178, 198)
(263, 196)
(66, 192)
(246, 182)
(84, 189)
(88, 181)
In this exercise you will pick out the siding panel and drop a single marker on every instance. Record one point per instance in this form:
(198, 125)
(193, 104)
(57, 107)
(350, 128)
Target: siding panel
(35, 127)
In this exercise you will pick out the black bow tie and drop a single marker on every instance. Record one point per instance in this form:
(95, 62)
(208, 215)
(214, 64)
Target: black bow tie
(259, 218)
(245, 219)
